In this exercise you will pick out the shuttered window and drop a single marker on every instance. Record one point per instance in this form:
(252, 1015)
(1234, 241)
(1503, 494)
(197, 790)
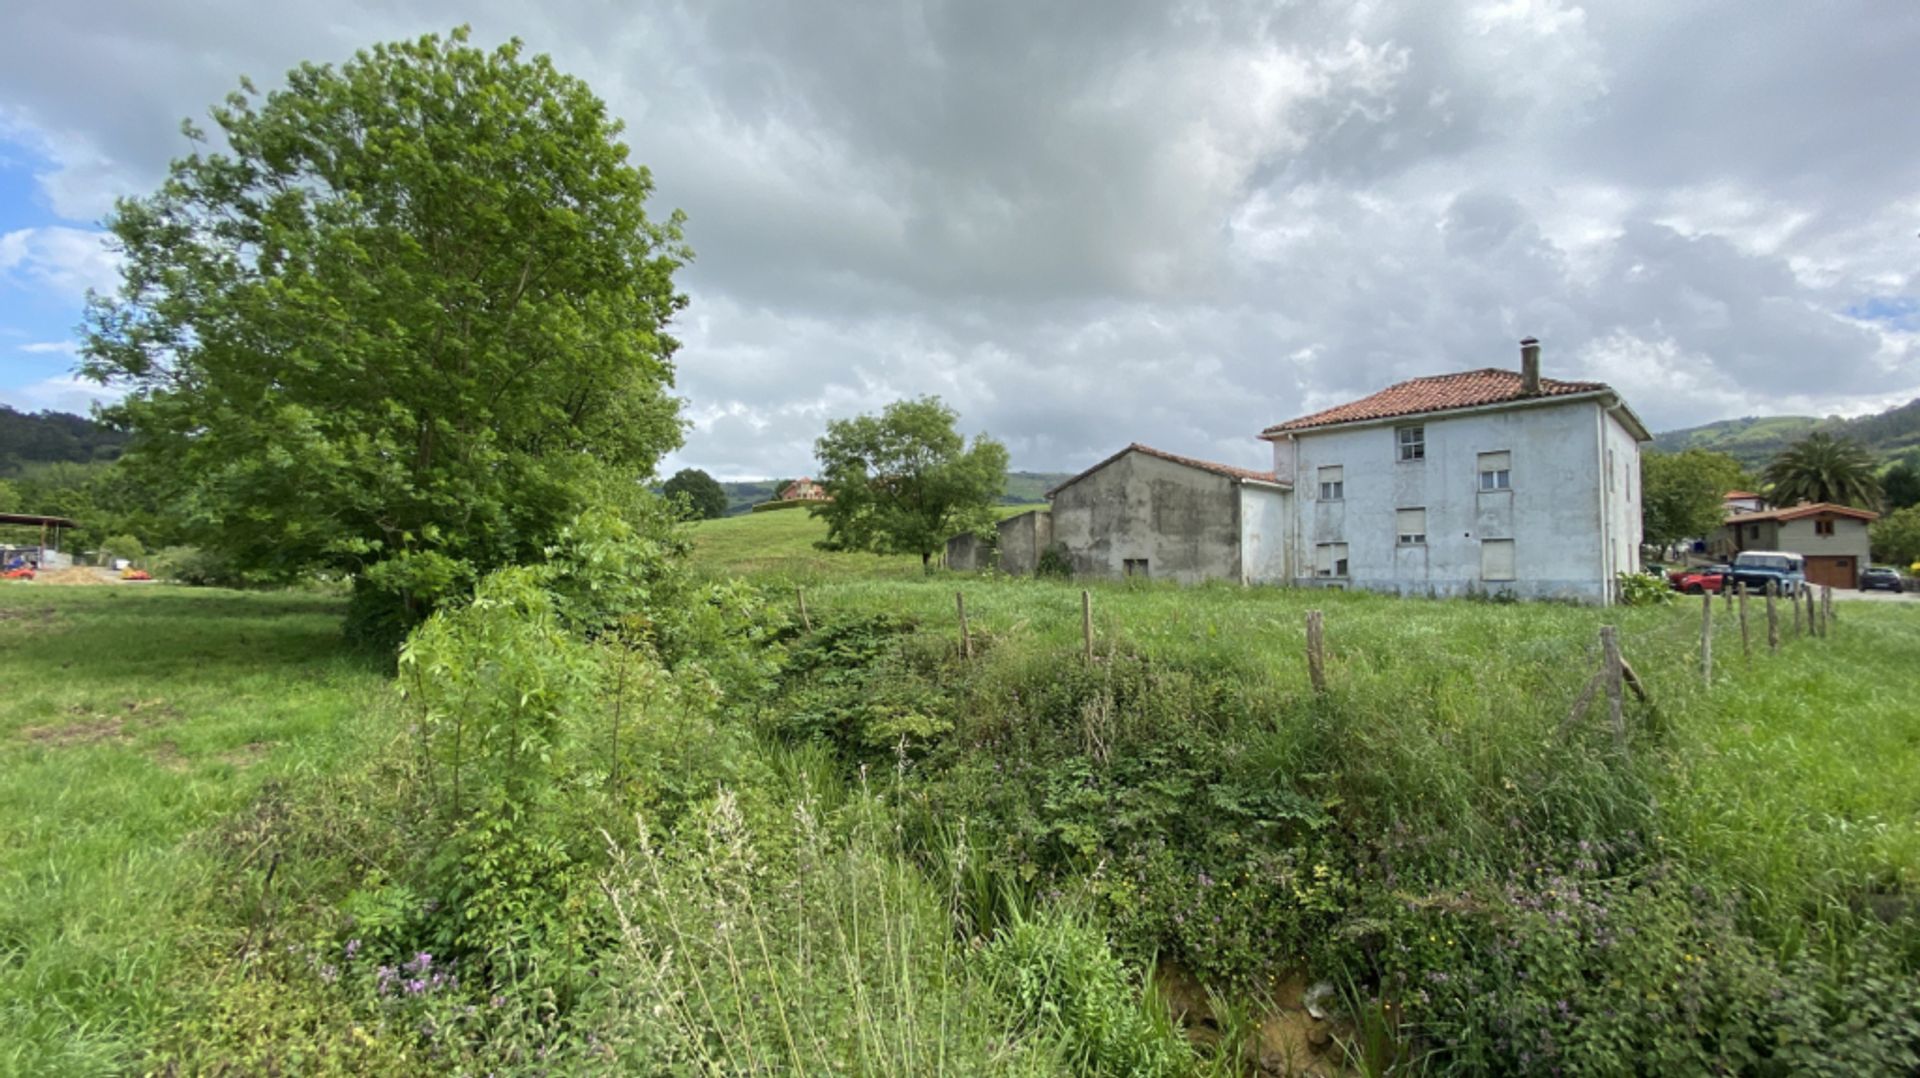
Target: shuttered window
(1496, 471)
(1333, 483)
(1330, 559)
(1496, 559)
(1411, 526)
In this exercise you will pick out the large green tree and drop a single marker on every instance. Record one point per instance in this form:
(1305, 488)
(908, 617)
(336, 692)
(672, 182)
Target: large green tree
(1822, 468)
(402, 325)
(699, 495)
(1900, 484)
(905, 481)
(1682, 495)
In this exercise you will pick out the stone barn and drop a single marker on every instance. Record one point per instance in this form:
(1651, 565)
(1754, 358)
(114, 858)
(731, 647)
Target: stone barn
(1145, 512)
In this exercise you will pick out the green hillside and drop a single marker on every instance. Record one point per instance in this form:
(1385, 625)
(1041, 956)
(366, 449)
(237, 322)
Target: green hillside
(1754, 440)
(1023, 488)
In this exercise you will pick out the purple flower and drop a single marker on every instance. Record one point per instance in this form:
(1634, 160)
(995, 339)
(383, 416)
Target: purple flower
(353, 947)
(384, 977)
(421, 962)
(498, 1001)
(416, 986)
(329, 973)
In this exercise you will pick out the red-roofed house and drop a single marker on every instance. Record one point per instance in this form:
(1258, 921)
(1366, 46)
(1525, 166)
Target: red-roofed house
(1489, 481)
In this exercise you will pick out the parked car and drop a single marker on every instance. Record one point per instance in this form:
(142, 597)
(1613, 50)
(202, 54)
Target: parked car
(1759, 568)
(1878, 579)
(1701, 578)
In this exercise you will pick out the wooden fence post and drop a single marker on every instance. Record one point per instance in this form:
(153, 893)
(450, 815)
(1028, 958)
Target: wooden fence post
(966, 640)
(1086, 623)
(1746, 642)
(1706, 640)
(805, 622)
(1827, 599)
(1794, 601)
(1773, 619)
(1610, 649)
(1316, 653)
(1813, 627)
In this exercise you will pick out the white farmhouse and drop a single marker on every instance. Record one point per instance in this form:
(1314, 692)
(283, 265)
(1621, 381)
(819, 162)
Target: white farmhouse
(1483, 482)
(1489, 481)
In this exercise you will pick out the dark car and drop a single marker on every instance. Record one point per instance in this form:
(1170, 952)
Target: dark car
(1881, 580)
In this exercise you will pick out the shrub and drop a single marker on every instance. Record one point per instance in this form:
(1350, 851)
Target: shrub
(1054, 561)
(122, 546)
(1641, 589)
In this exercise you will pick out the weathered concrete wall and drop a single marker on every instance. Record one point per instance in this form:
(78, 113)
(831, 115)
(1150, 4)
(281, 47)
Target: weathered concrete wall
(1022, 538)
(968, 553)
(1265, 527)
(1553, 511)
(1185, 522)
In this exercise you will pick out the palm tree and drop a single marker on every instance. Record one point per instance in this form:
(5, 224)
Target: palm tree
(1822, 468)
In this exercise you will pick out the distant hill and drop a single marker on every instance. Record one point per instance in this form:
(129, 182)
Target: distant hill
(1755, 440)
(52, 437)
(1023, 488)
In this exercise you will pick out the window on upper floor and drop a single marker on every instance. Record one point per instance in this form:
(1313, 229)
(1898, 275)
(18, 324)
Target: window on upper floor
(1333, 483)
(1330, 559)
(1412, 526)
(1413, 442)
(1823, 527)
(1496, 471)
(1496, 559)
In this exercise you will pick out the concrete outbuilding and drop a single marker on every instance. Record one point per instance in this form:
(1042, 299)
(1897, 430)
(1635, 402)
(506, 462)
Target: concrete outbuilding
(1146, 512)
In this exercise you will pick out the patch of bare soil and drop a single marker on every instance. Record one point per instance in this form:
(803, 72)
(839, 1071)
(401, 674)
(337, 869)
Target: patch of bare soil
(246, 755)
(93, 727)
(168, 756)
(42, 616)
(78, 575)
(1288, 1041)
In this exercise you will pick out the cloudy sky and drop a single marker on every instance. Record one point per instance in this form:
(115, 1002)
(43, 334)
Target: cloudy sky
(1087, 224)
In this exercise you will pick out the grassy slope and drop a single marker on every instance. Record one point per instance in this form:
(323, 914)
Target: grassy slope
(781, 544)
(132, 719)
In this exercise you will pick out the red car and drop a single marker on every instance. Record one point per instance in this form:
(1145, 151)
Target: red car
(1700, 578)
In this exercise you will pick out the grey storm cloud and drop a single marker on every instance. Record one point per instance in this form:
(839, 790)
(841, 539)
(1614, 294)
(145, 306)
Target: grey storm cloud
(1088, 224)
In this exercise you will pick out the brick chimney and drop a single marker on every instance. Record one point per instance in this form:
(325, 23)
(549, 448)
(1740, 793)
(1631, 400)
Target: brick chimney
(1529, 366)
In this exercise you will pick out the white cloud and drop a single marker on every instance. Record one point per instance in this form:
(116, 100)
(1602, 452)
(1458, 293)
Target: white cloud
(65, 262)
(62, 394)
(50, 348)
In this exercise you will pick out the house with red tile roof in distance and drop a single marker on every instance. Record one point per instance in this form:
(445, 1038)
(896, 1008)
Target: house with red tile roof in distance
(803, 490)
(1491, 481)
(1735, 502)
(1832, 538)
(1485, 482)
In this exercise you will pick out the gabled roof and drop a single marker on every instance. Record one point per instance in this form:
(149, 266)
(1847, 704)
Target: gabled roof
(1245, 475)
(1803, 511)
(1438, 393)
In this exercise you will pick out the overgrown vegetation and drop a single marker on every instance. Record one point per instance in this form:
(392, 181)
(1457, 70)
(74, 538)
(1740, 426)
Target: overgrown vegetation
(615, 816)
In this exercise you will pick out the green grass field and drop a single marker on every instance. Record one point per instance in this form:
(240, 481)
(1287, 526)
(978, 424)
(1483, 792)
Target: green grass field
(137, 724)
(131, 720)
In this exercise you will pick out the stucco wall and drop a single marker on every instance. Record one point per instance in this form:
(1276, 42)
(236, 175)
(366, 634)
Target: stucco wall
(1264, 532)
(968, 553)
(1620, 497)
(1022, 538)
(1849, 539)
(1553, 511)
(1184, 521)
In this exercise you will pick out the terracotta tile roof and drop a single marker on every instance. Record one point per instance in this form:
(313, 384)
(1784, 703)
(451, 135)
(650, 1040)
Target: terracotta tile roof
(1732, 494)
(1802, 511)
(1439, 393)
(1227, 470)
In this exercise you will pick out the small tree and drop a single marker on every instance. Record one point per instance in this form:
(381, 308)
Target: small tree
(904, 481)
(1896, 537)
(9, 497)
(1822, 468)
(699, 495)
(1901, 484)
(1682, 494)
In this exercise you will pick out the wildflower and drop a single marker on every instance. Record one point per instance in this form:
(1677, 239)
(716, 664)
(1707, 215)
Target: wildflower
(421, 962)
(384, 978)
(498, 1001)
(416, 986)
(353, 948)
(329, 973)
